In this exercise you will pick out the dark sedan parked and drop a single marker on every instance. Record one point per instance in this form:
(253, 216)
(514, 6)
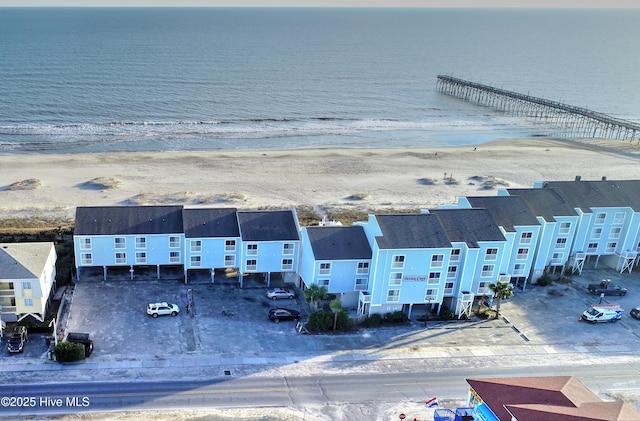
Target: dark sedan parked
(277, 314)
(607, 289)
(635, 312)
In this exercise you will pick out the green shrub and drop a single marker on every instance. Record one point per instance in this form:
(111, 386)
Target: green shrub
(320, 321)
(68, 352)
(544, 280)
(343, 323)
(374, 320)
(37, 327)
(446, 314)
(396, 317)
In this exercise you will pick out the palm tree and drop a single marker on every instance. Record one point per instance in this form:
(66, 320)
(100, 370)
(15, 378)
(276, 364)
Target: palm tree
(314, 294)
(336, 307)
(501, 291)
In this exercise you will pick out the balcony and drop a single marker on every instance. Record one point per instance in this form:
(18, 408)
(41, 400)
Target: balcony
(7, 292)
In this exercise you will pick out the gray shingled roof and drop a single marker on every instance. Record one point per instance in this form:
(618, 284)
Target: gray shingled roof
(23, 260)
(128, 220)
(339, 243)
(410, 231)
(547, 203)
(602, 193)
(210, 223)
(508, 211)
(268, 226)
(469, 225)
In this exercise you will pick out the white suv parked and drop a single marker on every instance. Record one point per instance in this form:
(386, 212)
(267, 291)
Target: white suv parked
(162, 309)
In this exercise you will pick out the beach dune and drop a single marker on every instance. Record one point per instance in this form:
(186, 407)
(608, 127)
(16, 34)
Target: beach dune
(363, 179)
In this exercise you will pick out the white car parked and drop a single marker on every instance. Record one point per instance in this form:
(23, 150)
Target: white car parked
(162, 309)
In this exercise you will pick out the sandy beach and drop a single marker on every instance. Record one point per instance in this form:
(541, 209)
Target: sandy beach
(51, 186)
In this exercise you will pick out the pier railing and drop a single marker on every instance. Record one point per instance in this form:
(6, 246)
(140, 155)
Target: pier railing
(578, 121)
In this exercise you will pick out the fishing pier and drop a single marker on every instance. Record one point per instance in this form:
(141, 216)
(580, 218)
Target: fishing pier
(575, 121)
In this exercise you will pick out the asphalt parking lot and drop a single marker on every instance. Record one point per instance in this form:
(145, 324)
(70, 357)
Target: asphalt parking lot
(114, 313)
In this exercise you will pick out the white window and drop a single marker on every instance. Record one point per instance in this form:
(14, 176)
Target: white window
(596, 233)
(86, 259)
(492, 254)
(362, 284)
(174, 241)
(287, 264)
(434, 278)
(229, 260)
(26, 284)
(592, 247)
(522, 254)
(448, 287)
(398, 262)
(141, 242)
(120, 243)
(611, 248)
(601, 217)
(28, 302)
(483, 288)
(518, 269)
(121, 258)
(230, 245)
(618, 218)
(363, 268)
(487, 271)
(430, 294)
(561, 243)
(452, 271)
(557, 258)
(395, 278)
(525, 238)
(615, 233)
(85, 243)
(565, 227)
(141, 257)
(252, 249)
(196, 245)
(325, 269)
(196, 261)
(436, 260)
(252, 264)
(288, 248)
(174, 257)
(323, 283)
(393, 296)
(455, 255)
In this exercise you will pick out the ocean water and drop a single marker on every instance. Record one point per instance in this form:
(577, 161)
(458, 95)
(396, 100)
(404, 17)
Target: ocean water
(89, 80)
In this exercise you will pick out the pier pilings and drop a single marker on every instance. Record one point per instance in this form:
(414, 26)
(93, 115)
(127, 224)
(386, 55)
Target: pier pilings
(576, 121)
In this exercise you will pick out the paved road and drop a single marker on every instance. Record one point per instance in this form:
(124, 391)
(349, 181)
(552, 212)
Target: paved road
(285, 391)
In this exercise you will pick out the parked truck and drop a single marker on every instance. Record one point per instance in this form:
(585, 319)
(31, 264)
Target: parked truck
(602, 313)
(82, 338)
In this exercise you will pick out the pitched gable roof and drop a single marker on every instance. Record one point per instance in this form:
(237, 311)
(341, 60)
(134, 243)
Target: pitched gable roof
(210, 223)
(469, 226)
(268, 226)
(603, 193)
(553, 398)
(409, 231)
(508, 211)
(23, 260)
(128, 220)
(547, 203)
(339, 243)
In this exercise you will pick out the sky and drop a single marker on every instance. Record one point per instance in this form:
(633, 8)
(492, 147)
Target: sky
(327, 3)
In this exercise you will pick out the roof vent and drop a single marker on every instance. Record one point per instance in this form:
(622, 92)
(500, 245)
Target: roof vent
(578, 177)
(604, 178)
